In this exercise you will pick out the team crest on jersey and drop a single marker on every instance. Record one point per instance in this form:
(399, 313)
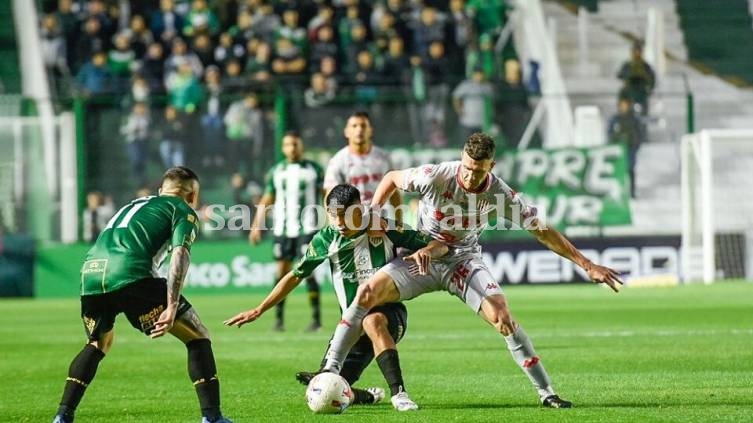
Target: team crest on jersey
(191, 218)
(375, 241)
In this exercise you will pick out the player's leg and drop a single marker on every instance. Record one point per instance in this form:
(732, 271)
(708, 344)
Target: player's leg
(143, 303)
(385, 326)
(284, 252)
(98, 315)
(397, 281)
(312, 287)
(483, 295)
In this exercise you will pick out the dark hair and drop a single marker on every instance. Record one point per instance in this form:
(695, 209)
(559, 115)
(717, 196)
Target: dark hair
(180, 175)
(292, 133)
(360, 114)
(343, 195)
(480, 146)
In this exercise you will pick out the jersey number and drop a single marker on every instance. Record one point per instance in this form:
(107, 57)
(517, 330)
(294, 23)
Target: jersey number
(132, 208)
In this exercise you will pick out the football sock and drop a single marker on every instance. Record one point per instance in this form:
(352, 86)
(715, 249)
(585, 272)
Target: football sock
(203, 373)
(523, 353)
(80, 374)
(313, 288)
(346, 334)
(389, 363)
(362, 396)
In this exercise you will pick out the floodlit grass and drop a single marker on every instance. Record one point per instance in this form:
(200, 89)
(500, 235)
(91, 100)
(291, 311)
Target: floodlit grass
(665, 354)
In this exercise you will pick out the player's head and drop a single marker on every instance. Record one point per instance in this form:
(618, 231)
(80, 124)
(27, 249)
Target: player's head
(344, 209)
(358, 130)
(182, 182)
(292, 146)
(477, 160)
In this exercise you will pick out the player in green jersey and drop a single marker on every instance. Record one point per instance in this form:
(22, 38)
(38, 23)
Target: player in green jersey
(119, 275)
(294, 188)
(354, 256)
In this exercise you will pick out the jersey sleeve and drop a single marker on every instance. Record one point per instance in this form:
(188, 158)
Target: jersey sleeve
(316, 253)
(185, 228)
(517, 209)
(334, 174)
(419, 179)
(408, 238)
(269, 182)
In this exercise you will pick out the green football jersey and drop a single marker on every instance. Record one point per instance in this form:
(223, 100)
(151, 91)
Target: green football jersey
(297, 188)
(136, 241)
(354, 260)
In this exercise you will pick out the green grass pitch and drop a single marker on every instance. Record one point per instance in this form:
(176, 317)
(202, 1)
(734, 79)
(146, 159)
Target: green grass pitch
(664, 354)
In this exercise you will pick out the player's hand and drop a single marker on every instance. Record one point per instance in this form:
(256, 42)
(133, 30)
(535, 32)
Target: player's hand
(242, 318)
(164, 323)
(254, 236)
(422, 258)
(605, 275)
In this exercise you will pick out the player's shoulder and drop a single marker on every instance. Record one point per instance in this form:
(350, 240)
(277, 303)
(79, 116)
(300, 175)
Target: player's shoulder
(437, 170)
(379, 151)
(340, 155)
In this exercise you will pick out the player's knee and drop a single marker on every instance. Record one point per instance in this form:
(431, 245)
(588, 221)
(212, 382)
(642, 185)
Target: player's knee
(374, 323)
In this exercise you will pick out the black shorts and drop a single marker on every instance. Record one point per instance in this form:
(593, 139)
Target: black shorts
(288, 249)
(142, 302)
(362, 353)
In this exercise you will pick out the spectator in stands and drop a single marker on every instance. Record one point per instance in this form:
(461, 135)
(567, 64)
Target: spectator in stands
(184, 89)
(323, 18)
(90, 41)
(259, 67)
(243, 30)
(95, 77)
(384, 27)
(345, 30)
(328, 69)
(428, 29)
(97, 9)
(319, 93)
(483, 57)
(357, 44)
(165, 23)
(395, 64)
(291, 30)
(638, 79)
(472, 101)
(324, 44)
(204, 50)
(121, 61)
(514, 109)
(54, 51)
(266, 22)
(136, 133)
(627, 128)
(213, 133)
(200, 20)
(437, 89)
(489, 16)
(416, 85)
(139, 35)
(179, 56)
(244, 127)
(152, 67)
(140, 92)
(227, 49)
(460, 30)
(96, 214)
(68, 23)
(234, 79)
(172, 138)
(289, 58)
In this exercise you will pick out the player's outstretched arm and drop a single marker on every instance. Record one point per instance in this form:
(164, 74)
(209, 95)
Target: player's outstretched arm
(423, 256)
(261, 213)
(555, 241)
(179, 263)
(280, 291)
(386, 188)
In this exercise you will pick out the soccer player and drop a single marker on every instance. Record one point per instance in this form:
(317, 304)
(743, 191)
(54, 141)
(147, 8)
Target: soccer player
(354, 256)
(456, 199)
(119, 276)
(361, 163)
(294, 186)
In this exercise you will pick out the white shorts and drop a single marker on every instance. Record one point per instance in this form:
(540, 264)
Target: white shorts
(468, 279)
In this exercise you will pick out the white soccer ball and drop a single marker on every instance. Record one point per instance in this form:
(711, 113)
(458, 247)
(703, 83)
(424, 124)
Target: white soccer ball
(328, 393)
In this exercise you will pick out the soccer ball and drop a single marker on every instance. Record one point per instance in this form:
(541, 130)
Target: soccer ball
(328, 393)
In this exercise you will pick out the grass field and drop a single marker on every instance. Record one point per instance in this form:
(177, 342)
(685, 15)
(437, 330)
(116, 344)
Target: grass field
(665, 354)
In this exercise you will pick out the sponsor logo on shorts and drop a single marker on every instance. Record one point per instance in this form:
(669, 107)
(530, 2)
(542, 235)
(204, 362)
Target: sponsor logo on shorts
(148, 320)
(89, 323)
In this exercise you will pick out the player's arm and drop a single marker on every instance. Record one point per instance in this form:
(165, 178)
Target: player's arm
(180, 260)
(261, 214)
(280, 291)
(426, 248)
(387, 187)
(555, 241)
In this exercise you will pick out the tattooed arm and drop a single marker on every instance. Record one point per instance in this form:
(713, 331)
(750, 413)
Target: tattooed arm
(179, 263)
